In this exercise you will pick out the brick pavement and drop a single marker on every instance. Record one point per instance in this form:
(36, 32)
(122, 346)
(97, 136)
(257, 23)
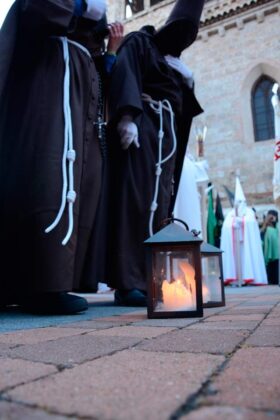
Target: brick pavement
(118, 365)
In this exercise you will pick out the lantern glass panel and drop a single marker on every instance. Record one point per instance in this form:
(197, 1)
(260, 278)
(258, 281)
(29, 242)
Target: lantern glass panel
(174, 284)
(211, 279)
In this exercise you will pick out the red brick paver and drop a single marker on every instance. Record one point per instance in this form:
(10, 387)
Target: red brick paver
(13, 411)
(210, 341)
(229, 413)
(250, 380)
(132, 331)
(14, 372)
(38, 335)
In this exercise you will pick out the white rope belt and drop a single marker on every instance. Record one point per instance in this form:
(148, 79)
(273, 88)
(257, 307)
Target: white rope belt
(158, 107)
(69, 154)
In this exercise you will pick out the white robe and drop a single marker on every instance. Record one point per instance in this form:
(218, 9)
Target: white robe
(251, 255)
(187, 206)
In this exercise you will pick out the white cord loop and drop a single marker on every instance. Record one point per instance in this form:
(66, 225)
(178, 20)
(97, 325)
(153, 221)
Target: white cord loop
(71, 196)
(69, 153)
(158, 107)
(158, 171)
(154, 206)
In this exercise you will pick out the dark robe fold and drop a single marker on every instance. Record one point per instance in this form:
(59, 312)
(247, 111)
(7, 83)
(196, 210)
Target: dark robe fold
(31, 148)
(141, 68)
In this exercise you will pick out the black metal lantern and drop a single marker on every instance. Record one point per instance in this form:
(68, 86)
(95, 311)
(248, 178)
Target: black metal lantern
(213, 291)
(174, 279)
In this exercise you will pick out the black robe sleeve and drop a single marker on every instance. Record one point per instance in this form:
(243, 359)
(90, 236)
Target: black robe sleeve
(126, 79)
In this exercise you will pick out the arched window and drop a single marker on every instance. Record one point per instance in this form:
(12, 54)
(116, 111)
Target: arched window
(263, 115)
(133, 6)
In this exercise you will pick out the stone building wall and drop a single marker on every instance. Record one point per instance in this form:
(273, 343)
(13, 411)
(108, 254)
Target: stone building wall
(237, 43)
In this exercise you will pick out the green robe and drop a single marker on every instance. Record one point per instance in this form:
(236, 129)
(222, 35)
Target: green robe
(271, 244)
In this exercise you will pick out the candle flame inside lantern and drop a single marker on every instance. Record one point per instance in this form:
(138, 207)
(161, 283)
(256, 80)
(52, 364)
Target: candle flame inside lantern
(180, 294)
(205, 293)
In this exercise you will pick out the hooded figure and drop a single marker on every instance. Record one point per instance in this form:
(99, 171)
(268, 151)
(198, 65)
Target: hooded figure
(243, 260)
(181, 28)
(151, 107)
(50, 153)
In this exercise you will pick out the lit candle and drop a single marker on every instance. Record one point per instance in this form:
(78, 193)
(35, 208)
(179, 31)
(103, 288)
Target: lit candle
(178, 295)
(205, 293)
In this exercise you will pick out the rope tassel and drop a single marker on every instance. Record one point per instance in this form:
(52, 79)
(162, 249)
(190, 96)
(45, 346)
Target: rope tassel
(69, 154)
(158, 107)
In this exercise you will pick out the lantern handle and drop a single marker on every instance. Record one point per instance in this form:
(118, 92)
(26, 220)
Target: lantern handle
(172, 219)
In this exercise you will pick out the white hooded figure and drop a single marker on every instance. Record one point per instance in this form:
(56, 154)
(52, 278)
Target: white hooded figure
(243, 260)
(187, 205)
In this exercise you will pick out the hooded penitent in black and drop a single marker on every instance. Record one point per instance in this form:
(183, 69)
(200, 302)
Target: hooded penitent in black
(142, 69)
(32, 129)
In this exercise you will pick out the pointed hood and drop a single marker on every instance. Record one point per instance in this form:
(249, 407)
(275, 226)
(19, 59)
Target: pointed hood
(239, 198)
(181, 28)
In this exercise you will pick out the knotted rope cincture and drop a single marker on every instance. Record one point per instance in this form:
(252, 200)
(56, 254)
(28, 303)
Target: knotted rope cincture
(69, 154)
(158, 107)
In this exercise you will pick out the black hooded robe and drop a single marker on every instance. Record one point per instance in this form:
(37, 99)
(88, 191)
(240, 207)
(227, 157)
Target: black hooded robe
(31, 147)
(141, 68)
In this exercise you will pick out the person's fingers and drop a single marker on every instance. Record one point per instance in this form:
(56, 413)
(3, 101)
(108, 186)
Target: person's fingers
(119, 29)
(125, 132)
(136, 142)
(116, 29)
(126, 142)
(117, 33)
(113, 31)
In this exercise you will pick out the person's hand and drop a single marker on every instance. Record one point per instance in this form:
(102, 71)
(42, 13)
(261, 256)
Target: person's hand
(116, 30)
(96, 9)
(128, 132)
